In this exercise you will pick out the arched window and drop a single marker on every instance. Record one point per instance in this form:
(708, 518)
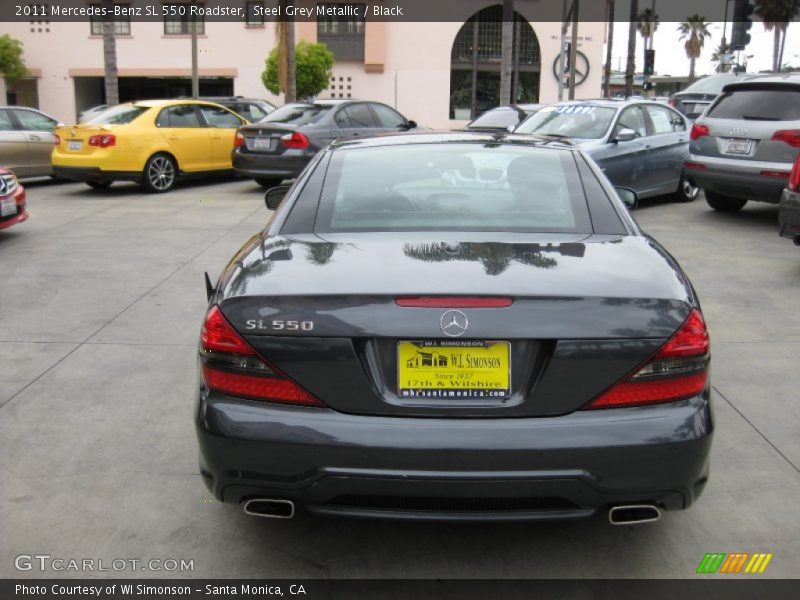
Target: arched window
(475, 64)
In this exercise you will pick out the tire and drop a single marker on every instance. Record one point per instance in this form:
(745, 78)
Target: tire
(268, 182)
(99, 185)
(724, 203)
(687, 191)
(160, 174)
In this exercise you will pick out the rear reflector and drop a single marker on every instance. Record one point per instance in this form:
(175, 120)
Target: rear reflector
(231, 366)
(677, 371)
(453, 302)
(694, 165)
(779, 174)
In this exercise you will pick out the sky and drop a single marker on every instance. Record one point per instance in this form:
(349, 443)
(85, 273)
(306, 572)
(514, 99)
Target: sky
(670, 62)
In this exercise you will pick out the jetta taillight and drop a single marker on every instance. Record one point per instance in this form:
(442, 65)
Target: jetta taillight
(103, 141)
(677, 371)
(295, 140)
(698, 131)
(238, 139)
(56, 140)
(787, 136)
(794, 176)
(229, 365)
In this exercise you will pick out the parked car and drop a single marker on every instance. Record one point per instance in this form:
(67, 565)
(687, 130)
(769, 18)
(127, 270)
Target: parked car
(280, 145)
(693, 100)
(152, 142)
(26, 141)
(743, 147)
(395, 345)
(502, 118)
(638, 144)
(789, 210)
(12, 200)
(252, 109)
(89, 113)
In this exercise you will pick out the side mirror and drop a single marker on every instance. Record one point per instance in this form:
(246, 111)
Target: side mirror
(410, 125)
(511, 128)
(629, 198)
(274, 196)
(625, 135)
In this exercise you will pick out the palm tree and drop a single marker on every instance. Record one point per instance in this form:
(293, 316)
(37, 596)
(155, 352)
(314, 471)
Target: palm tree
(695, 31)
(284, 40)
(630, 66)
(646, 25)
(716, 57)
(110, 55)
(776, 15)
(506, 66)
(607, 73)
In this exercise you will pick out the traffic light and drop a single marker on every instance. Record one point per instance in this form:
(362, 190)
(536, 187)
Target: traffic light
(742, 10)
(649, 62)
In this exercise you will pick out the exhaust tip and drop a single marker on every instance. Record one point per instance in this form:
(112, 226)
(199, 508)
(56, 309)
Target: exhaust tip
(796, 240)
(633, 514)
(269, 508)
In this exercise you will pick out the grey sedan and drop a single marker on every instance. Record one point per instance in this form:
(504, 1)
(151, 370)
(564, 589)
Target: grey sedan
(26, 141)
(638, 144)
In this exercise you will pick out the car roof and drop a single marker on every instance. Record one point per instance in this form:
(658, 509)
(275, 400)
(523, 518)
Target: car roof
(756, 80)
(169, 102)
(453, 137)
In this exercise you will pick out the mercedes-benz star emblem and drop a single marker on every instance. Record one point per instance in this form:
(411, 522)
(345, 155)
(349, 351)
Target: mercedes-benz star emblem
(3, 187)
(453, 323)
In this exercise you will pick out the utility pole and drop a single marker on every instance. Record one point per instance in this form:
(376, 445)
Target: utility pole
(573, 51)
(195, 77)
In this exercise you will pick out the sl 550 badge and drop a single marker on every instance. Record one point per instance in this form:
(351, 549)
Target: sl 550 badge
(278, 325)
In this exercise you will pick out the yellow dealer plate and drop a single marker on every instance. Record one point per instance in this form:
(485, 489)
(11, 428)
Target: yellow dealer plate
(458, 370)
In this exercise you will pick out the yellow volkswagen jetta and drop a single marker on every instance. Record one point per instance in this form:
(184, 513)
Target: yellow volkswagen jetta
(152, 142)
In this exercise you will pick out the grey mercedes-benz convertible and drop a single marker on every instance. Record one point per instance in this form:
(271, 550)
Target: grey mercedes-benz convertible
(454, 326)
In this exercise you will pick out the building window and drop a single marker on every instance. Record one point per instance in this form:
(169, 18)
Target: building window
(178, 22)
(122, 24)
(343, 35)
(251, 18)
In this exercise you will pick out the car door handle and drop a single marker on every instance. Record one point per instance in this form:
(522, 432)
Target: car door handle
(174, 138)
(34, 138)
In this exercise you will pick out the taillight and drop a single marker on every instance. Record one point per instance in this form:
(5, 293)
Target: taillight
(788, 136)
(671, 101)
(454, 301)
(778, 174)
(103, 141)
(57, 140)
(229, 365)
(794, 176)
(238, 139)
(677, 371)
(295, 140)
(698, 131)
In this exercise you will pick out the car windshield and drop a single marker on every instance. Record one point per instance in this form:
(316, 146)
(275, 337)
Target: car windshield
(583, 121)
(299, 114)
(119, 115)
(496, 118)
(453, 187)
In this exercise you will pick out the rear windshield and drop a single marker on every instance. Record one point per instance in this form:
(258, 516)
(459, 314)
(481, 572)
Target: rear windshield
(710, 85)
(758, 105)
(570, 120)
(299, 114)
(119, 115)
(458, 187)
(498, 117)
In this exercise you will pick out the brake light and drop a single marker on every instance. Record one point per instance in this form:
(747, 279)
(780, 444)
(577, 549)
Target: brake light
(103, 141)
(453, 302)
(295, 140)
(695, 165)
(698, 131)
(671, 101)
(57, 140)
(788, 136)
(231, 366)
(677, 371)
(794, 176)
(779, 174)
(238, 139)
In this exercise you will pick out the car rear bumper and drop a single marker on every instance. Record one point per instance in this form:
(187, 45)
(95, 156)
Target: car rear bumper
(789, 215)
(94, 174)
(570, 466)
(286, 166)
(739, 178)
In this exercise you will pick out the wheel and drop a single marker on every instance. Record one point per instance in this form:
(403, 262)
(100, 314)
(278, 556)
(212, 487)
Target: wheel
(99, 185)
(268, 182)
(724, 203)
(687, 191)
(160, 174)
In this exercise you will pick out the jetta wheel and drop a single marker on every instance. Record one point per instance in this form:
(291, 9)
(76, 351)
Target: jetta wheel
(724, 203)
(687, 191)
(160, 174)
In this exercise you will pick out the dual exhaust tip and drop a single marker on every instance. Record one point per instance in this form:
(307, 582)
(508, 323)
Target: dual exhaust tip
(269, 508)
(633, 514)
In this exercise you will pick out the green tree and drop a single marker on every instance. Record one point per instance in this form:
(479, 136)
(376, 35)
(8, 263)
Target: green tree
(313, 64)
(12, 66)
(695, 31)
(776, 15)
(646, 26)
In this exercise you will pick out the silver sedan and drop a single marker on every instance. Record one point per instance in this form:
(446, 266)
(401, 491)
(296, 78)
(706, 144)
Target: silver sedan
(26, 141)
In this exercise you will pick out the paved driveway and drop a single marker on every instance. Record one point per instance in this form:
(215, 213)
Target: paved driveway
(101, 298)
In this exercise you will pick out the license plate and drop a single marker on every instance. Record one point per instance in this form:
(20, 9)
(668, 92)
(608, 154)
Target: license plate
(263, 144)
(8, 207)
(74, 145)
(698, 108)
(454, 370)
(738, 146)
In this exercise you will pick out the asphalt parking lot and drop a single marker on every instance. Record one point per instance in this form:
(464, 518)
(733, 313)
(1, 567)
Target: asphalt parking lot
(101, 299)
